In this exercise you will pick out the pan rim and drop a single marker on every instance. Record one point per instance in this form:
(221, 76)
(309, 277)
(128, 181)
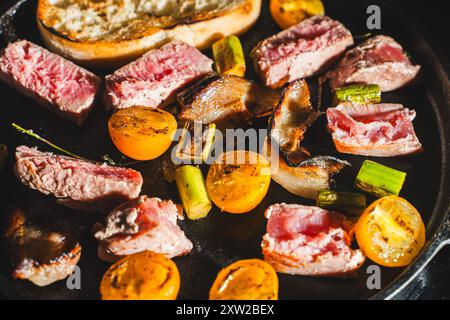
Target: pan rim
(440, 236)
(441, 212)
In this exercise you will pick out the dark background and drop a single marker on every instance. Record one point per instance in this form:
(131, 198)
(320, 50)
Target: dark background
(434, 281)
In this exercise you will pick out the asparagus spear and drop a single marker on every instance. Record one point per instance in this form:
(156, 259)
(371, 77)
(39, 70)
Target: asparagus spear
(192, 149)
(379, 180)
(347, 202)
(192, 189)
(358, 93)
(229, 56)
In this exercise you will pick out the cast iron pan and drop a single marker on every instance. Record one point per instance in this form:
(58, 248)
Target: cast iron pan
(221, 239)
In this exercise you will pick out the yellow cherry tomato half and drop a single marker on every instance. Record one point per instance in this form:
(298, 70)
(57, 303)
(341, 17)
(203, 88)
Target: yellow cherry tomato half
(390, 232)
(288, 13)
(251, 279)
(142, 276)
(238, 181)
(142, 133)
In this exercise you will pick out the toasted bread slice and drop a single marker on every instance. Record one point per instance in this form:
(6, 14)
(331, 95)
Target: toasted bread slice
(110, 33)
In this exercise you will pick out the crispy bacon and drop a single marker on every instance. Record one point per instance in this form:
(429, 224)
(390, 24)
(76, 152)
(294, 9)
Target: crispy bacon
(306, 240)
(290, 120)
(380, 130)
(295, 168)
(308, 177)
(222, 99)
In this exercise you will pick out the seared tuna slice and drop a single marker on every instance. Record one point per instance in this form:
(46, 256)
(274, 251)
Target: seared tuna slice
(300, 51)
(42, 240)
(57, 84)
(156, 76)
(379, 60)
(139, 225)
(76, 183)
(305, 240)
(379, 130)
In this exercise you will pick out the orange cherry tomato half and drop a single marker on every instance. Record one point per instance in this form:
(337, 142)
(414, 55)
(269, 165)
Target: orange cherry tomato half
(238, 181)
(251, 279)
(390, 232)
(142, 133)
(142, 276)
(288, 13)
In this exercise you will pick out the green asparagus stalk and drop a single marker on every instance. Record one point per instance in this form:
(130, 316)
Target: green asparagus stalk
(379, 180)
(358, 93)
(195, 150)
(346, 202)
(229, 56)
(209, 140)
(192, 189)
(3, 155)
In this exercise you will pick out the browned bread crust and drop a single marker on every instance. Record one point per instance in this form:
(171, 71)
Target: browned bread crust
(126, 42)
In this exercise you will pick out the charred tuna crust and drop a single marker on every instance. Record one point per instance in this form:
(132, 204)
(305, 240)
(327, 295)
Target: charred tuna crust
(43, 243)
(297, 171)
(379, 60)
(307, 177)
(300, 51)
(55, 83)
(332, 164)
(289, 121)
(78, 184)
(156, 76)
(225, 99)
(189, 94)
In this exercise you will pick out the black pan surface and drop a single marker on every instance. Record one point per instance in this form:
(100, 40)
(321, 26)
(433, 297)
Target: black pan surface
(221, 239)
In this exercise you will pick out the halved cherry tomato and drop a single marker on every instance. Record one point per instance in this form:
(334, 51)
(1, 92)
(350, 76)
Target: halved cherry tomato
(251, 279)
(142, 276)
(238, 181)
(391, 232)
(288, 13)
(142, 133)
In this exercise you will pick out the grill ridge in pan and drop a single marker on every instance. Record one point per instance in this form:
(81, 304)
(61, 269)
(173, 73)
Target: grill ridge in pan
(223, 238)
